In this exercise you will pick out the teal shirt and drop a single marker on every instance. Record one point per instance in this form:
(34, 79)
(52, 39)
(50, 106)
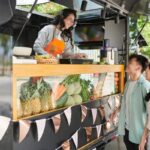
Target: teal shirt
(138, 111)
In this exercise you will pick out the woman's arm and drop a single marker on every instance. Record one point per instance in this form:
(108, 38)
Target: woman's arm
(68, 53)
(41, 41)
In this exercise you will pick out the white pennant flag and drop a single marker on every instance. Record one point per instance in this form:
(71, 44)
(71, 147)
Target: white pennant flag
(98, 128)
(24, 127)
(68, 114)
(4, 124)
(84, 112)
(94, 114)
(75, 139)
(40, 127)
(56, 122)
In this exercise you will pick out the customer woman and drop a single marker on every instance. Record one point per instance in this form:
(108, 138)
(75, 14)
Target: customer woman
(56, 38)
(148, 106)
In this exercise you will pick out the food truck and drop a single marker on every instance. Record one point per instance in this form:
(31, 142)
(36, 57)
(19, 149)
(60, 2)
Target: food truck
(66, 103)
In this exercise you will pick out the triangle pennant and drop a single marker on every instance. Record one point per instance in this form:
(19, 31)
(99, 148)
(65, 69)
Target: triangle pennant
(98, 128)
(4, 124)
(75, 139)
(88, 133)
(40, 127)
(68, 114)
(94, 114)
(56, 122)
(84, 113)
(24, 127)
(66, 145)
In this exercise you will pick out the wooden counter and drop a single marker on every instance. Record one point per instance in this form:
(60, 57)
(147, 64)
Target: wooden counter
(50, 70)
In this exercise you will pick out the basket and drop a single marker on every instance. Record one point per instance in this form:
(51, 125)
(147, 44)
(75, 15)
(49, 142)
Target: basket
(47, 61)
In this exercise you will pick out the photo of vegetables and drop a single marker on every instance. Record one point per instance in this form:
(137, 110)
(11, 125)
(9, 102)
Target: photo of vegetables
(72, 91)
(43, 94)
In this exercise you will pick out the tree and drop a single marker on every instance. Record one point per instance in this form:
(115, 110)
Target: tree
(4, 43)
(135, 25)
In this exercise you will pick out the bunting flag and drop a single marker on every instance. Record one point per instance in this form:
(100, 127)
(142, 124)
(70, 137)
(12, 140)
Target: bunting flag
(68, 114)
(24, 127)
(117, 101)
(66, 145)
(110, 101)
(40, 124)
(108, 125)
(84, 113)
(98, 128)
(102, 112)
(75, 139)
(88, 133)
(94, 114)
(56, 122)
(4, 124)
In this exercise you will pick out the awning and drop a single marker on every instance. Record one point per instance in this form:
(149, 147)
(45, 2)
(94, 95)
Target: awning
(123, 6)
(30, 2)
(128, 6)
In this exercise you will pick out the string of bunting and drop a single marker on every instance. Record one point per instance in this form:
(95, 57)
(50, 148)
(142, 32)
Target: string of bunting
(24, 125)
(66, 145)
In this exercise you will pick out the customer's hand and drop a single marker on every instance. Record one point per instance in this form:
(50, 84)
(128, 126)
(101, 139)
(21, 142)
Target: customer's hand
(142, 144)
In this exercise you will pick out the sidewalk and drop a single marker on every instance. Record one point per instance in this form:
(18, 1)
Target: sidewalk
(116, 145)
(5, 89)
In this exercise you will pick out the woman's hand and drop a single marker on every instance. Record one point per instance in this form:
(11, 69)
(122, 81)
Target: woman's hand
(80, 56)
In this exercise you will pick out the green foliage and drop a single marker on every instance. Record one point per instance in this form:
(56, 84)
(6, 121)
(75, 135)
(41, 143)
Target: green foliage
(136, 25)
(46, 8)
(30, 90)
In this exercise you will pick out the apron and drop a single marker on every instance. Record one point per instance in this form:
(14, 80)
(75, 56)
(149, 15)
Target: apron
(55, 46)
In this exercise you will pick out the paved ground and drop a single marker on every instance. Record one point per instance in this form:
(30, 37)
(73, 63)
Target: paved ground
(116, 145)
(5, 96)
(5, 89)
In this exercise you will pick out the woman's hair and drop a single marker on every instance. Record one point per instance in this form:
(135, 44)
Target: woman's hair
(59, 20)
(147, 97)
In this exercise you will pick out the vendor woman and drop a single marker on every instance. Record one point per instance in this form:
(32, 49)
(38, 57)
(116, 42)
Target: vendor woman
(56, 38)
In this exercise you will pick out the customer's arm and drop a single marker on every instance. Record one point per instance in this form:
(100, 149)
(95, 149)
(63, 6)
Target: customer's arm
(148, 109)
(41, 40)
(144, 138)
